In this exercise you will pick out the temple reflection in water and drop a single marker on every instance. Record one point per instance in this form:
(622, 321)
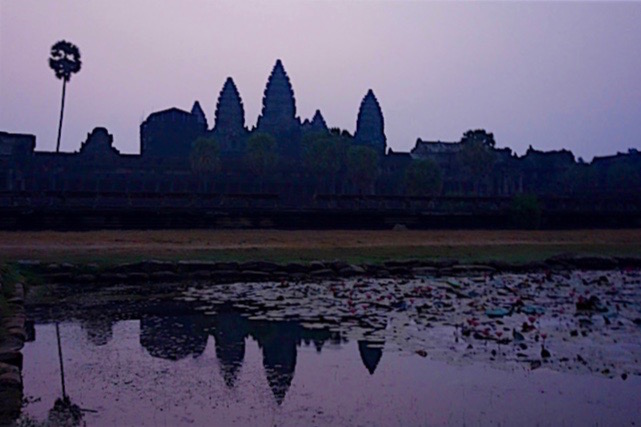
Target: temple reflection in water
(186, 335)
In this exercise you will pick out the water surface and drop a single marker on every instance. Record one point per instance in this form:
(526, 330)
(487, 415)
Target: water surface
(189, 368)
(538, 349)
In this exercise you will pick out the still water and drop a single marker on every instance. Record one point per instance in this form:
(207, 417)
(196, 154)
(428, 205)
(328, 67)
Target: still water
(192, 368)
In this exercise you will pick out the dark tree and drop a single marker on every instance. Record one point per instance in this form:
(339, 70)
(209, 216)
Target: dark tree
(205, 160)
(622, 176)
(480, 136)
(476, 156)
(423, 178)
(340, 132)
(324, 156)
(362, 168)
(525, 211)
(205, 156)
(64, 61)
(261, 156)
(581, 178)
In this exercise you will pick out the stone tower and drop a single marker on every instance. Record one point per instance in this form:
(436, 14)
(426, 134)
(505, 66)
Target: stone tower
(229, 126)
(198, 112)
(370, 128)
(316, 125)
(278, 116)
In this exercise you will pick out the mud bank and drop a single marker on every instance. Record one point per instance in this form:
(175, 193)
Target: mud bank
(157, 271)
(13, 335)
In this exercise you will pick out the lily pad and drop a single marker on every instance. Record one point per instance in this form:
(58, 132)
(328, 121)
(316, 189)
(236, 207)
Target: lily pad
(496, 313)
(533, 309)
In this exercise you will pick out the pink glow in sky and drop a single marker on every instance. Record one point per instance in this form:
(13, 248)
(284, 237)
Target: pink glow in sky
(545, 74)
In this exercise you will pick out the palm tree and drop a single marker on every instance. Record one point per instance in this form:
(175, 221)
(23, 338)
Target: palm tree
(64, 61)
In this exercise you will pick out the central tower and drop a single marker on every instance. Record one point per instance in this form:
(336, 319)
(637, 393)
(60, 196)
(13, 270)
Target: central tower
(278, 116)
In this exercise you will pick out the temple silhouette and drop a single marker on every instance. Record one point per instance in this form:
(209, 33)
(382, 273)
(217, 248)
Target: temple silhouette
(291, 172)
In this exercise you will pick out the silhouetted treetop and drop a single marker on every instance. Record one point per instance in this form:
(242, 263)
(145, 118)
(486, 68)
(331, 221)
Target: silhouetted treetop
(65, 59)
(480, 136)
(260, 153)
(205, 155)
(363, 167)
(423, 177)
(324, 154)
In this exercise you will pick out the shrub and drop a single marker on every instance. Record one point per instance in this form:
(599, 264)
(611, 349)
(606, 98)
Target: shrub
(525, 211)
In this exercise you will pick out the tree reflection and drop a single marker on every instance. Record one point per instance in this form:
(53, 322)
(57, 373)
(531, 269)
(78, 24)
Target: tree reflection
(99, 330)
(174, 337)
(64, 413)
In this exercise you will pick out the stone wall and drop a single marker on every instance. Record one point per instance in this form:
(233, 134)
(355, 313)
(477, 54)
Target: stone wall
(13, 335)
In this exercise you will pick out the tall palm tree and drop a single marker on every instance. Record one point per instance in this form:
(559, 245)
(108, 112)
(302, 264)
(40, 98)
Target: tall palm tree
(64, 61)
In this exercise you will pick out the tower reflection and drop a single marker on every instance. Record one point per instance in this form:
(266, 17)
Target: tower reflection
(174, 337)
(278, 341)
(371, 353)
(230, 331)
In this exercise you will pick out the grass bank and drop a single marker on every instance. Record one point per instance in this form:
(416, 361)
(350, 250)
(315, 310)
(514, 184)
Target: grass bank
(111, 247)
(8, 279)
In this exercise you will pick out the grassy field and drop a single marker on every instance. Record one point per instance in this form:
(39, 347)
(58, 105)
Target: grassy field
(107, 247)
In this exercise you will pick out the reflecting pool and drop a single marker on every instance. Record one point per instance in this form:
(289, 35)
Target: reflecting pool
(548, 348)
(170, 364)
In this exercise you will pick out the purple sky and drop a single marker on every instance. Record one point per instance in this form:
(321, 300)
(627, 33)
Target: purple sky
(549, 75)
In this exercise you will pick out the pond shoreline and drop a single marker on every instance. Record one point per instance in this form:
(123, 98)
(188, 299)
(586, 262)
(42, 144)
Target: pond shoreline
(13, 335)
(161, 271)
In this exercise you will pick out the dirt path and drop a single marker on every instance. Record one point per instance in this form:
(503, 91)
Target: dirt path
(240, 239)
(310, 244)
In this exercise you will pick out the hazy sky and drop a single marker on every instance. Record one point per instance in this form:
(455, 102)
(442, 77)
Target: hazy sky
(545, 74)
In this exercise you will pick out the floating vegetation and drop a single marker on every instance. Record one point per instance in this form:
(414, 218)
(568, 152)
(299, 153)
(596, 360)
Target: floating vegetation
(559, 315)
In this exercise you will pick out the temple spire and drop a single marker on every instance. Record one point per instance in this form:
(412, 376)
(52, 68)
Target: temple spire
(317, 125)
(197, 111)
(279, 106)
(371, 354)
(318, 122)
(230, 113)
(370, 127)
